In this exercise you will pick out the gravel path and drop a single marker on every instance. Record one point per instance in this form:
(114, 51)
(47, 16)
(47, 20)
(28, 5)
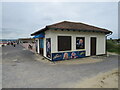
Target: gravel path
(22, 70)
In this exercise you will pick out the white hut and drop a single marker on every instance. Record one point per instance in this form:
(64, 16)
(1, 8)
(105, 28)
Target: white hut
(68, 40)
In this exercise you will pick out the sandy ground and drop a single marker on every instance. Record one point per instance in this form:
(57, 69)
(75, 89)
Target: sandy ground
(103, 80)
(111, 53)
(87, 60)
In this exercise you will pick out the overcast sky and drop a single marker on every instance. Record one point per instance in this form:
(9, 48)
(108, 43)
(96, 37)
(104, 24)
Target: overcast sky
(19, 20)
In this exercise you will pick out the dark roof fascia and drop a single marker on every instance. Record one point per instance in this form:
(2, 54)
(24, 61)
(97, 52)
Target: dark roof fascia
(40, 31)
(106, 32)
(47, 28)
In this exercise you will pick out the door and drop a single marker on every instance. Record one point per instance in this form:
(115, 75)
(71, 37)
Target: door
(36, 45)
(93, 46)
(41, 46)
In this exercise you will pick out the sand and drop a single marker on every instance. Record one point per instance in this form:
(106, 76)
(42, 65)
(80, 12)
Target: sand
(102, 80)
(85, 60)
(79, 61)
(111, 53)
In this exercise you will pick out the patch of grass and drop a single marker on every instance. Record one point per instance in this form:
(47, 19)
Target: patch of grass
(112, 46)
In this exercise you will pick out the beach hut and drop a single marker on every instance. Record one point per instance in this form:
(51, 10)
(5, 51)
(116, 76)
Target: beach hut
(69, 40)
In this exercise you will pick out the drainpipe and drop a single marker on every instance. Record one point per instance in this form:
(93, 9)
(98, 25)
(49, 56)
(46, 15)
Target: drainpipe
(106, 42)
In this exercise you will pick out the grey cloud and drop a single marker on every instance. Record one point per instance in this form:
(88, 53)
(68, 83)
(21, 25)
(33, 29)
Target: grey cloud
(24, 18)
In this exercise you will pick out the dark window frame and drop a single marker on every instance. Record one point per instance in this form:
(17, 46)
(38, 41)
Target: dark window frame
(83, 43)
(64, 46)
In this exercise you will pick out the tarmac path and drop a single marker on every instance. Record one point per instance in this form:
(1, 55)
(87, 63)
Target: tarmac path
(0, 68)
(20, 69)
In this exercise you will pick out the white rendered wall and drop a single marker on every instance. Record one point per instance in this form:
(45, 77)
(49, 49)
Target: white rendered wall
(48, 34)
(38, 49)
(37, 39)
(100, 46)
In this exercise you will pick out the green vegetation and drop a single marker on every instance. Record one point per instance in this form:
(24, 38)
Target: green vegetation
(113, 46)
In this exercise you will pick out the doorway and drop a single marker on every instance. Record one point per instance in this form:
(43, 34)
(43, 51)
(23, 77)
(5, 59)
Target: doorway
(41, 46)
(93, 46)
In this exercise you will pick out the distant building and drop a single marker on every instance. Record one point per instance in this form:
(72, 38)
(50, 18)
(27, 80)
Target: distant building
(26, 40)
(68, 40)
(5, 41)
(28, 43)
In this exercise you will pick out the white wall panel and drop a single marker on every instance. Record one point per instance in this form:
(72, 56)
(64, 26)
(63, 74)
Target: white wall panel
(100, 49)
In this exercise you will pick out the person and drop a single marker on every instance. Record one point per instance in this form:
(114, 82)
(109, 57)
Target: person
(30, 46)
(73, 55)
(11, 43)
(65, 56)
(80, 44)
(48, 49)
(7, 43)
(14, 44)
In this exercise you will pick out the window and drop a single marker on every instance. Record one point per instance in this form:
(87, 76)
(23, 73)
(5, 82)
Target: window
(64, 43)
(80, 42)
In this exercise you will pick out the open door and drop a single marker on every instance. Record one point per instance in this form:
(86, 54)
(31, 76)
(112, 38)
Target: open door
(93, 46)
(36, 46)
(41, 46)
